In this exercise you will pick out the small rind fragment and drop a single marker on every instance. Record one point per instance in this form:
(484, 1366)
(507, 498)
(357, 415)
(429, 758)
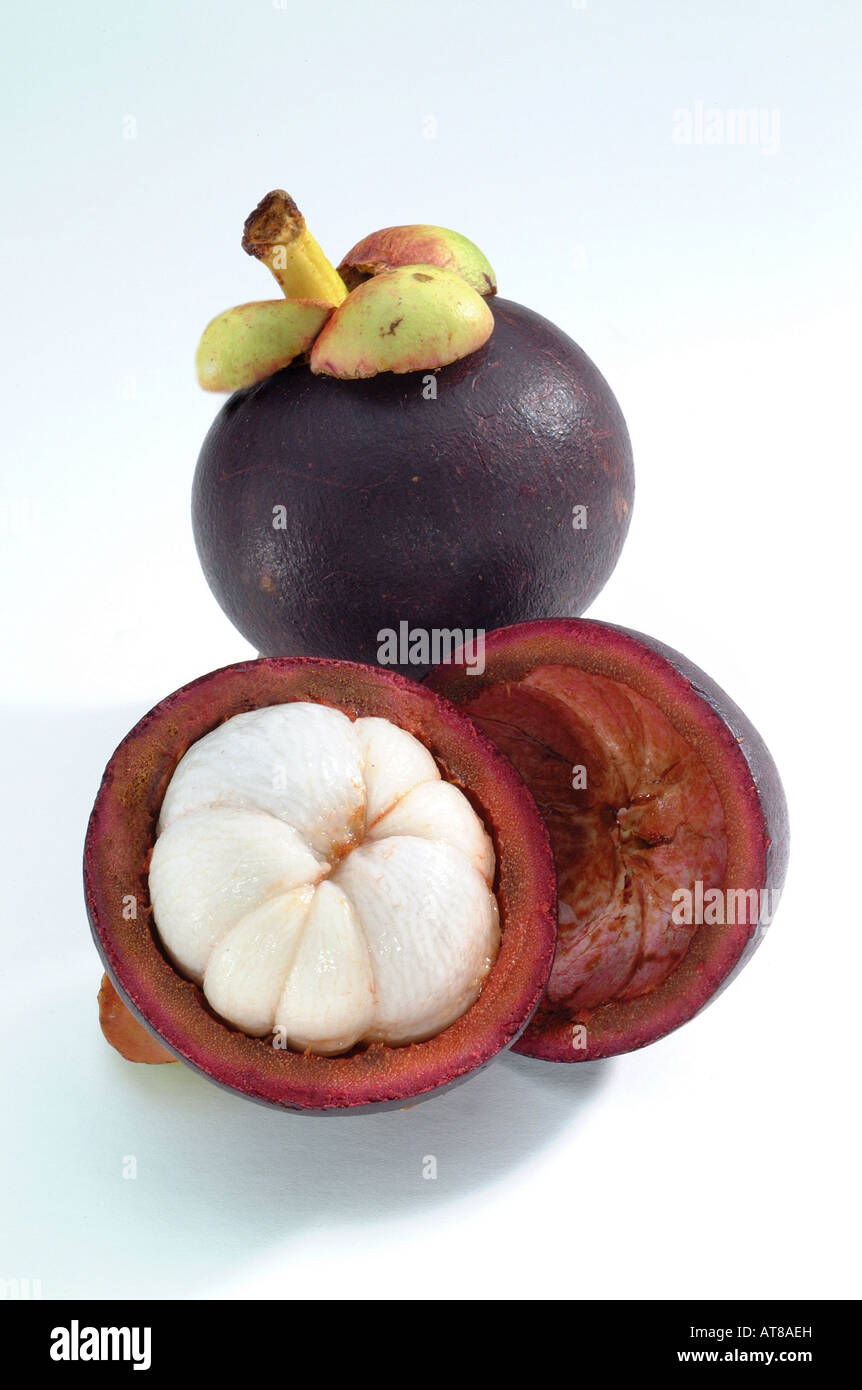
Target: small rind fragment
(416, 318)
(252, 341)
(419, 244)
(123, 1031)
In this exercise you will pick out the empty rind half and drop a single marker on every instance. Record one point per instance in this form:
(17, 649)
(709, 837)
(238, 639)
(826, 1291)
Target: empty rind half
(666, 816)
(321, 883)
(264, 893)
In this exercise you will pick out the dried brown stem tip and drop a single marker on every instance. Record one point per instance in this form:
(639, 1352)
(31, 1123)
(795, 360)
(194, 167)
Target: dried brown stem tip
(277, 235)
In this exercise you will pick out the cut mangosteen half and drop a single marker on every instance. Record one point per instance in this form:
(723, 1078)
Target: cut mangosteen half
(320, 884)
(666, 815)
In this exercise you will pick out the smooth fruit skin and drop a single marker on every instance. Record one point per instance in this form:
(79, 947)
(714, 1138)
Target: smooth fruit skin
(390, 506)
(117, 852)
(748, 783)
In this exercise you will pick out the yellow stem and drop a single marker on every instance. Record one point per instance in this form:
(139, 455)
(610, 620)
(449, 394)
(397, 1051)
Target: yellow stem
(277, 235)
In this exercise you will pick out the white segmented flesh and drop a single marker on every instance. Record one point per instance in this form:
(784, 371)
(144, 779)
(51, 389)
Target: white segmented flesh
(392, 944)
(328, 999)
(214, 865)
(394, 763)
(246, 972)
(432, 930)
(301, 762)
(438, 811)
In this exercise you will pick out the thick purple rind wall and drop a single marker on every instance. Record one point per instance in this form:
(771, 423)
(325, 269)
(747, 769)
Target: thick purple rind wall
(398, 508)
(748, 783)
(761, 764)
(116, 861)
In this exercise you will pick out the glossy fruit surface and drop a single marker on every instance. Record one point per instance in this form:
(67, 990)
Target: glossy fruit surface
(494, 490)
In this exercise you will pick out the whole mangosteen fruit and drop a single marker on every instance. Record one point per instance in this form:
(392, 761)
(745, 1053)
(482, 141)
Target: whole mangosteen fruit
(320, 885)
(666, 814)
(430, 456)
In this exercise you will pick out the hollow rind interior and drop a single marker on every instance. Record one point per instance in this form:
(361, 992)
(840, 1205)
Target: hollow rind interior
(633, 816)
(744, 774)
(116, 861)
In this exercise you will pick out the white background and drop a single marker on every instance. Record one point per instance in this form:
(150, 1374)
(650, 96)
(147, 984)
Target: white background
(717, 288)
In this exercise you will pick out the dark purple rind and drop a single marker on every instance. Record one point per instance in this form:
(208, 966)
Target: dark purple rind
(434, 512)
(748, 784)
(119, 843)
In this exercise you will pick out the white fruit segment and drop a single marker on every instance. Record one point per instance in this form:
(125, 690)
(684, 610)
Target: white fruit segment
(393, 763)
(264, 893)
(301, 762)
(432, 930)
(244, 974)
(328, 998)
(439, 811)
(212, 867)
